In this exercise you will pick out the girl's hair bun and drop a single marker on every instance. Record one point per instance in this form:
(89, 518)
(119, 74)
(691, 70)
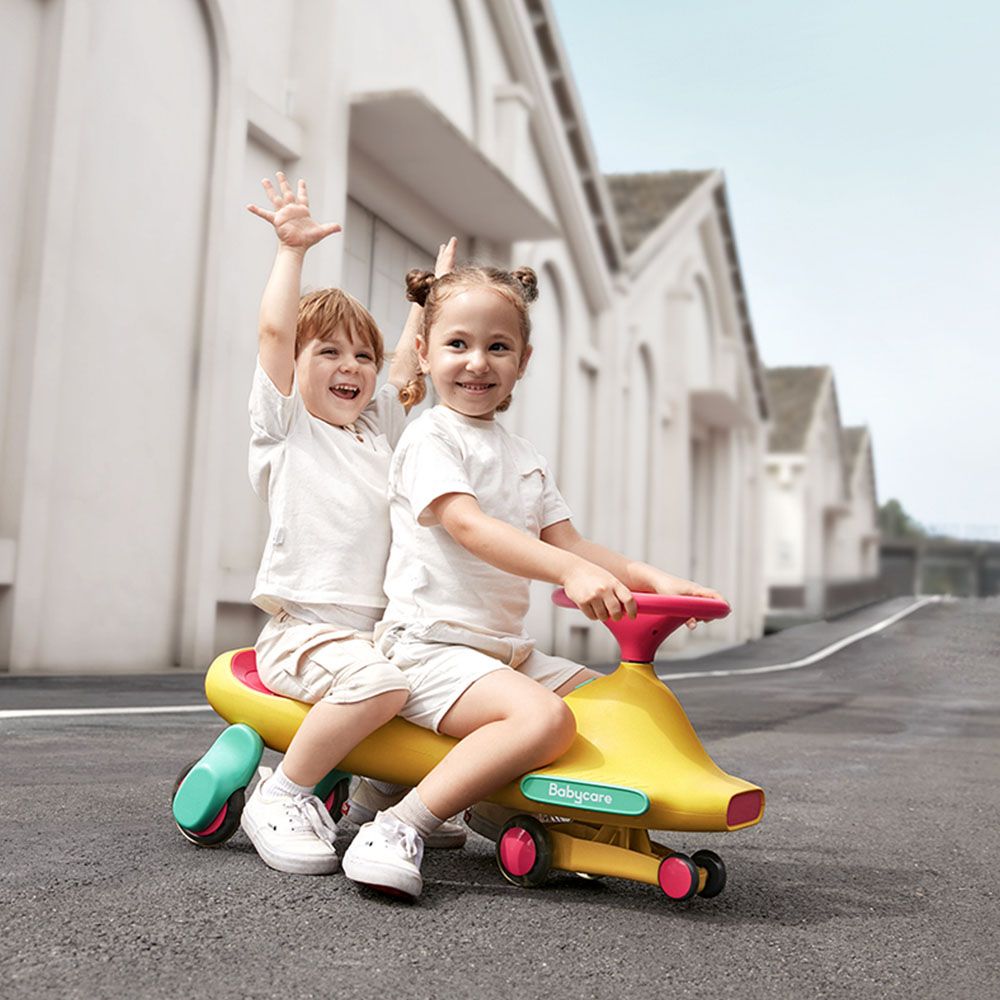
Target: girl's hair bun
(528, 281)
(418, 285)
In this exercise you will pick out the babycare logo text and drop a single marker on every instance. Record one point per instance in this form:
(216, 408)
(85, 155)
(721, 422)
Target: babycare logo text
(581, 797)
(588, 795)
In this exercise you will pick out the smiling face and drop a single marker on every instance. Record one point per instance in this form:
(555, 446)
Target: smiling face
(336, 377)
(474, 352)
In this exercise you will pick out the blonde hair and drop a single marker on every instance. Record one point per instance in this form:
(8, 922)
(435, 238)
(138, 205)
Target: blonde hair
(322, 313)
(519, 287)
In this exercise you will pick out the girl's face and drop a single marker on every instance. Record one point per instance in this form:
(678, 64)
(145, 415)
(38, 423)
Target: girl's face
(474, 352)
(336, 378)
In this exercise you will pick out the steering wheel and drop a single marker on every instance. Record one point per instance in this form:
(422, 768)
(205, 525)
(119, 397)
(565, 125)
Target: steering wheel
(657, 616)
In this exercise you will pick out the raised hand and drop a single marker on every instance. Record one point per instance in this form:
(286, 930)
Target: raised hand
(445, 262)
(292, 221)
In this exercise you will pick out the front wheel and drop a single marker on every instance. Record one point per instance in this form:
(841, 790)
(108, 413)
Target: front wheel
(678, 877)
(716, 870)
(524, 851)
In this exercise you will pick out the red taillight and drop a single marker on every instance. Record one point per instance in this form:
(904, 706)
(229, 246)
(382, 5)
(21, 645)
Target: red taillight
(744, 808)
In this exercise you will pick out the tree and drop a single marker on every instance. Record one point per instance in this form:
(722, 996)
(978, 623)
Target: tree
(894, 522)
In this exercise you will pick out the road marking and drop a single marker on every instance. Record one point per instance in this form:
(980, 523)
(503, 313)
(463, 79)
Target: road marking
(51, 713)
(807, 661)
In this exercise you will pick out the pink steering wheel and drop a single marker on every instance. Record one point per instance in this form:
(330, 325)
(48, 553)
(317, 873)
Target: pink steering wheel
(658, 616)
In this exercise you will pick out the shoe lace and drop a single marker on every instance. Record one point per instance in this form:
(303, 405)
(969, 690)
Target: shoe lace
(404, 836)
(306, 812)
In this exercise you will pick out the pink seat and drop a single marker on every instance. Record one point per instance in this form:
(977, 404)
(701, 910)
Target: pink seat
(244, 667)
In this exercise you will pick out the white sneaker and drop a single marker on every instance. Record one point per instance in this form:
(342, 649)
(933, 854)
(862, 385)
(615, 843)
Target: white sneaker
(487, 818)
(366, 800)
(386, 855)
(292, 833)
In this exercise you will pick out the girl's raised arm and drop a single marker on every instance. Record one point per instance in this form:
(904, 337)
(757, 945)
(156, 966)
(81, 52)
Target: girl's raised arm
(296, 230)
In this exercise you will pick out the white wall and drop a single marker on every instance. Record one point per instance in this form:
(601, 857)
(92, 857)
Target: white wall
(129, 293)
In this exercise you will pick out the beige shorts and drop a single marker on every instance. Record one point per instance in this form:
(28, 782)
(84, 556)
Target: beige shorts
(322, 662)
(440, 667)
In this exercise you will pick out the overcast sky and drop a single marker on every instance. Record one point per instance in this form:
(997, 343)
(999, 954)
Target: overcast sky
(861, 147)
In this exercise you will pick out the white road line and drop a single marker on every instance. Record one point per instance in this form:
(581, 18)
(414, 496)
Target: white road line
(807, 661)
(51, 713)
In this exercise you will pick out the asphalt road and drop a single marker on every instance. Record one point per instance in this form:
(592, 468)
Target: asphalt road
(873, 873)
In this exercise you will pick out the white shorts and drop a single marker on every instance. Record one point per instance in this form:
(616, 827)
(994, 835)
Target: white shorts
(440, 667)
(323, 662)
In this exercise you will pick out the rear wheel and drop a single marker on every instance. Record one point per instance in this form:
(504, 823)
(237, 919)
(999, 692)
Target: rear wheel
(225, 823)
(336, 799)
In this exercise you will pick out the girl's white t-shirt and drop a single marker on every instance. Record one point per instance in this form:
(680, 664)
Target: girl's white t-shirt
(430, 577)
(326, 496)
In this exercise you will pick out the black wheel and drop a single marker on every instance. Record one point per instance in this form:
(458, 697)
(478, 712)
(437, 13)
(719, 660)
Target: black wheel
(716, 870)
(678, 877)
(336, 799)
(524, 851)
(220, 829)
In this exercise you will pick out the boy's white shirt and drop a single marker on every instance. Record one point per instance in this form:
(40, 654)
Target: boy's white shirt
(430, 577)
(328, 542)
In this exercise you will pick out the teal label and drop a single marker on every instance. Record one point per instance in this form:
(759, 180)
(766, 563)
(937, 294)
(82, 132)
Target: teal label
(584, 795)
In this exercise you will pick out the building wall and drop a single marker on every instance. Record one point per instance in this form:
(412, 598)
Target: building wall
(857, 529)
(820, 532)
(128, 532)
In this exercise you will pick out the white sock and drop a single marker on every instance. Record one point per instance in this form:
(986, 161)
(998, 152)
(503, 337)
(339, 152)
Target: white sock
(412, 811)
(386, 787)
(280, 784)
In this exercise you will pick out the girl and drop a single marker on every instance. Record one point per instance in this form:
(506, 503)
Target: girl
(319, 456)
(475, 516)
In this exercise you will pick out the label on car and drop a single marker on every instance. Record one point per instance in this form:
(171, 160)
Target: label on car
(587, 795)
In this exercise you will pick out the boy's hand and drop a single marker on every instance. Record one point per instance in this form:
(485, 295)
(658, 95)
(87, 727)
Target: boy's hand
(445, 262)
(295, 227)
(597, 593)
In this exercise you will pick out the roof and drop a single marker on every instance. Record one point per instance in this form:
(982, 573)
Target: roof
(643, 201)
(793, 393)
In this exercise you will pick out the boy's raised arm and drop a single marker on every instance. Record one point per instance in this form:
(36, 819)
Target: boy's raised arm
(296, 230)
(405, 366)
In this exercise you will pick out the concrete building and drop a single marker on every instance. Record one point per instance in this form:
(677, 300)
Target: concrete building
(130, 277)
(821, 539)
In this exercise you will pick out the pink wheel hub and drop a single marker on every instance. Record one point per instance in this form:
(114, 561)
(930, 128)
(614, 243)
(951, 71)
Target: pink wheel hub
(215, 824)
(675, 878)
(518, 852)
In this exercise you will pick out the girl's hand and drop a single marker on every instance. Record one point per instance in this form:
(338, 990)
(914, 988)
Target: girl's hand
(597, 593)
(445, 262)
(675, 586)
(295, 227)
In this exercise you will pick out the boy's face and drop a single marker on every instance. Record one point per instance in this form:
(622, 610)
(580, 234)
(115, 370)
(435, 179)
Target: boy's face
(475, 352)
(336, 378)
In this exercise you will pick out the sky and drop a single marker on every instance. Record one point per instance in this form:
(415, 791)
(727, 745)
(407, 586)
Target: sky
(861, 147)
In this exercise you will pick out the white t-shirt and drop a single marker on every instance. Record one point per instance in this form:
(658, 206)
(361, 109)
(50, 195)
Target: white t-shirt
(430, 577)
(326, 496)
